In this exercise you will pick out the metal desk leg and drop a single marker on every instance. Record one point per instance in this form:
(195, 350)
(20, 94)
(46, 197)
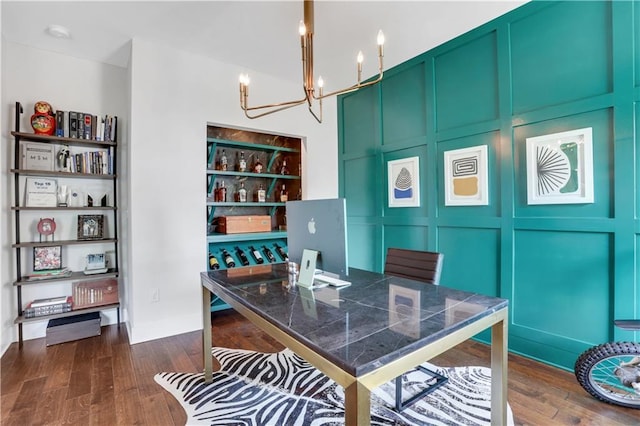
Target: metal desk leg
(357, 405)
(206, 335)
(499, 357)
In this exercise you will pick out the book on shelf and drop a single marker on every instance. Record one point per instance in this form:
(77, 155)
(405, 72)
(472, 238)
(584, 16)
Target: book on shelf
(37, 303)
(48, 274)
(66, 305)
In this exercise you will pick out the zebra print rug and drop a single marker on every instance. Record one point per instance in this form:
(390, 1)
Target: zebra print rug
(276, 389)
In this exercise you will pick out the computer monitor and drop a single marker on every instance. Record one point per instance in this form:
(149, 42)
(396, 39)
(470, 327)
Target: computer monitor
(319, 225)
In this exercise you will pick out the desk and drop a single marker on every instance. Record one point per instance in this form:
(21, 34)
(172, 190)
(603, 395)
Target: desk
(367, 333)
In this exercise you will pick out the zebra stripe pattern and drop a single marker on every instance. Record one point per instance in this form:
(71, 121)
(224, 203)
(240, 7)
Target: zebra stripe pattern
(274, 389)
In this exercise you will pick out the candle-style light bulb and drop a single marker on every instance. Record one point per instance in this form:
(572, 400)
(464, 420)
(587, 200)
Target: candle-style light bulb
(380, 38)
(302, 29)
(360, 58)
(320, 82)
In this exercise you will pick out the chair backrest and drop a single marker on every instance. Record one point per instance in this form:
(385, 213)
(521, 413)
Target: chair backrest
(423, 266)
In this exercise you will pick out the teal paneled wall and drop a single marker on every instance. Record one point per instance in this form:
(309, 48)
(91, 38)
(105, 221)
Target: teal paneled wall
(466, 87)
(558, 56)
(568, 270)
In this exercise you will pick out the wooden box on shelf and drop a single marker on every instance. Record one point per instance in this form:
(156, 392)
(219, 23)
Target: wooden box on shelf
(243, 224)
(245, 271)
(91, 293)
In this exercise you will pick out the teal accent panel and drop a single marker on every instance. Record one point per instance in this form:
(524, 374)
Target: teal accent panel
(425, 193)
(601, 123)
(564, 284)
(361, 186)
(568, 270)
(403, 105)
(466, 83)
(561, 53)
(362, 245)
(636, 45)
(407, 237)
(492, 140)
(471, 259)
(361, 136)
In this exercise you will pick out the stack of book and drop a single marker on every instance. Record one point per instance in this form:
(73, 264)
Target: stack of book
(49, 274)
(50, 306)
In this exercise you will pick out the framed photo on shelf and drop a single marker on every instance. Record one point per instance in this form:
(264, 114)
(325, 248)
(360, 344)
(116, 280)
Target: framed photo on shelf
(90, 226)
(47, 258)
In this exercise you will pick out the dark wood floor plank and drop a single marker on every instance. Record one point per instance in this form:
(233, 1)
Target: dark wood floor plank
(49, 406)
(104, 380)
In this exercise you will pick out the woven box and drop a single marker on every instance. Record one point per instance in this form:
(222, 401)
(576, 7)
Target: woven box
(242, 224)
(67, 329)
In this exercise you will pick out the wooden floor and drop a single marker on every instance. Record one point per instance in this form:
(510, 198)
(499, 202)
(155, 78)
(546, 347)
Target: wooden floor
(105, 381)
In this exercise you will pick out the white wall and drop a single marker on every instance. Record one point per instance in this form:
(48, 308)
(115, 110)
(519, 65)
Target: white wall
(165, 100)
(174, 94)
(29, 75)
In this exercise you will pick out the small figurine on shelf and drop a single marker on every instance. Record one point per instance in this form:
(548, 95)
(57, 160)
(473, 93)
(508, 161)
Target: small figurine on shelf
(43, 120)
(64, 159)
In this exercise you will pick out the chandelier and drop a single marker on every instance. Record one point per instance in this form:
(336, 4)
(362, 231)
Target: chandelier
(310, 92)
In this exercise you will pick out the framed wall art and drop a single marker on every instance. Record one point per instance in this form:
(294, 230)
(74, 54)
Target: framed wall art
(466, 177)
(404, 182)
(560, 168)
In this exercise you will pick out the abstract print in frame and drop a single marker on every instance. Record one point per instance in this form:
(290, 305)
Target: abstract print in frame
(560, 168)
(466, 177)
(404, 182)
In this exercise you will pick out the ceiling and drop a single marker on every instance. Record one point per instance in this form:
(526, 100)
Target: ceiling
(255, 35)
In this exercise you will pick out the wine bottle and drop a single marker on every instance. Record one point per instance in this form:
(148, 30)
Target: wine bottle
(222, 192)
(242, 256)
(213, 262)
(228, 260)
(257, 166)
(256, 255)
(242, 193)
(242, 163)
(261, 195)
(284, 170)
(281, 252)
(284, 194)
(223, 161)
(268, 253)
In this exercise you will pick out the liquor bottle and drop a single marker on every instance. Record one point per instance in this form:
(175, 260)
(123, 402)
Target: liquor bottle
(284, 194)
(268, 253)
(261, 195)
(257, 166)
(222, 192)
(281, 252)
(223, 161)
(256, 255)
(213, 262)
(242, 163)
(216, 192)
(242, 256)
(228, 260)
(284, 170)
(242, 193)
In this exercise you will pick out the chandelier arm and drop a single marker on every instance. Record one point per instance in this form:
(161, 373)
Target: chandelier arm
(277, 107)
(351, 88)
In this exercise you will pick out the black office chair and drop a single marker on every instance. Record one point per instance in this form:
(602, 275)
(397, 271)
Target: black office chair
(424, 266)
